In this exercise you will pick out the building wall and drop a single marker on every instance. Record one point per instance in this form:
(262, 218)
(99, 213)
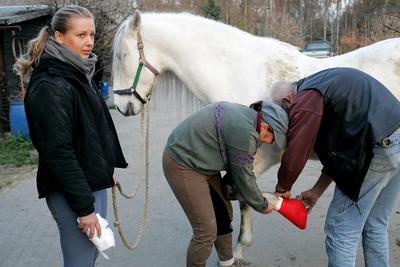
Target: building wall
(29, 30)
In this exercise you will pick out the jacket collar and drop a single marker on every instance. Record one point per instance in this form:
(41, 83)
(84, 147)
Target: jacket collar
(59, 68)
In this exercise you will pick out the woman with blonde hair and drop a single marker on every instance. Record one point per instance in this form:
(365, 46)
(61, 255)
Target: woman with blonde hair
(72, 130)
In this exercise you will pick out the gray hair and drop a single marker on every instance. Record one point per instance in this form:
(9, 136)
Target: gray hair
(59, 22)
(282, 89)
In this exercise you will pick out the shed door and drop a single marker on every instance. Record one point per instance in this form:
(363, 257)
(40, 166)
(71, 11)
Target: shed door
(4, 102)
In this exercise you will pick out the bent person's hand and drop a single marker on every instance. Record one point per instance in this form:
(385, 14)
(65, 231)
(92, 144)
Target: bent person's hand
(269, 209)
(309, 198)
(272, 202)
(91, 223)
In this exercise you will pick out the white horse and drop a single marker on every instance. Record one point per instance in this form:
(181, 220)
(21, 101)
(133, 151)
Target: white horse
(220, 62)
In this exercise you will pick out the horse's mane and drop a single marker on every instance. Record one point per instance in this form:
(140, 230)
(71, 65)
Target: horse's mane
(218, 27)
(196, 22)
(120, 33)
(207, 37)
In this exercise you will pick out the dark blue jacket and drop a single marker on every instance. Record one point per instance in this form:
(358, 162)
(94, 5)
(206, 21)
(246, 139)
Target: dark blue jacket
(358, 112)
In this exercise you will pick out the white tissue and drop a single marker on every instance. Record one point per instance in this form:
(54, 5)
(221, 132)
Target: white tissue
(106, 240)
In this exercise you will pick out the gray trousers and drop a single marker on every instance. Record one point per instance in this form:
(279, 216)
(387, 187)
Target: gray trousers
(208, 212)
(77, 249)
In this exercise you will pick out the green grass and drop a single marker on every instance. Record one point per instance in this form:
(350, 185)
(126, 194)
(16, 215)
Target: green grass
(16, 151)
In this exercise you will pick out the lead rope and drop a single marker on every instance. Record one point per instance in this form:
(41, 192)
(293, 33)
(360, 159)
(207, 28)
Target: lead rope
(145, 149)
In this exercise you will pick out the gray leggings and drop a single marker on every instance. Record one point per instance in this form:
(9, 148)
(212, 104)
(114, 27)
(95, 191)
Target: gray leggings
(77, 249)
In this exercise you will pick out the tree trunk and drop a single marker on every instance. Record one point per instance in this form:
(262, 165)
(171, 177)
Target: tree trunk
(226, 10)
(337, 24)
(326, 4)
(245, 15)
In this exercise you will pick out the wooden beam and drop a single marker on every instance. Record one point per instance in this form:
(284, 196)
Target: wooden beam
(13, 28)
(3, 121)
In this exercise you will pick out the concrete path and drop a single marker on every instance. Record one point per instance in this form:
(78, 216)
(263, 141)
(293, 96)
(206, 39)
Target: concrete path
(28, 235)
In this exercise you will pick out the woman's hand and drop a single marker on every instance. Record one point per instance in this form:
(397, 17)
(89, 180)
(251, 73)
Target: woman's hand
(269, 209)
(91, 223)
(272, 202)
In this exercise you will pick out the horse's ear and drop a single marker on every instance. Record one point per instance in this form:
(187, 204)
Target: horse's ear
(135, 21)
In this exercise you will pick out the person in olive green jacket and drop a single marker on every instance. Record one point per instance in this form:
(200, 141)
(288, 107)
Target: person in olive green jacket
(221, 136)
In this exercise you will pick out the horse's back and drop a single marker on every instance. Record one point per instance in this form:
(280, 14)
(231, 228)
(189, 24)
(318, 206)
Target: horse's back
(380, 60)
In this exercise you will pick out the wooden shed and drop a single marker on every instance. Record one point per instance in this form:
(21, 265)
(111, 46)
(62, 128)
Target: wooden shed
(18, 25)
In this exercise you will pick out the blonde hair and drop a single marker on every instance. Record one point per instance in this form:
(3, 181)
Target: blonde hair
(282, 89)
(59, 22)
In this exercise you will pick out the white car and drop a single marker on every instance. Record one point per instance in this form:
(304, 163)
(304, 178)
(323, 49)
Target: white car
(319, 49)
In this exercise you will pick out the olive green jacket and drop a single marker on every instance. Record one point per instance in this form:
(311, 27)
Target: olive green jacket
(221, 137)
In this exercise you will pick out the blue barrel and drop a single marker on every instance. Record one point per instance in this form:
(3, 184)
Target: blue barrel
(18, 123)
(104, 87)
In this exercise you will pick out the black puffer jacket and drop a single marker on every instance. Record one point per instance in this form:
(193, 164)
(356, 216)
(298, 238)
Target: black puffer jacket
(73, 132)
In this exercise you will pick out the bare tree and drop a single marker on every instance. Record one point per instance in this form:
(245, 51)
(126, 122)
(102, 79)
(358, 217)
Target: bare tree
(326, 4)
(369, 22)
(338, 2)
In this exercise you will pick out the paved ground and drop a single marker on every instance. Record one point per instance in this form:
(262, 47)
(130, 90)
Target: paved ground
(10, 175)
(29, 236)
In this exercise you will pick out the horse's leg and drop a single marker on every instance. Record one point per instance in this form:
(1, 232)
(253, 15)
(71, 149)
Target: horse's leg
(266, 157)
(245, 234)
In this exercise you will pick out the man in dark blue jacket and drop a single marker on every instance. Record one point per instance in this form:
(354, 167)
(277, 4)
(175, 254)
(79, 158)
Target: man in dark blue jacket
(352, 123)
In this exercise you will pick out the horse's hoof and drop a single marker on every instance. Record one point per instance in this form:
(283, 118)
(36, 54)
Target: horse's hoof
(241, 262)
(245, 263)
(238, 256)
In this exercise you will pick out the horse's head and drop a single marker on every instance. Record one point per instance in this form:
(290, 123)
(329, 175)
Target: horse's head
(133, 76)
